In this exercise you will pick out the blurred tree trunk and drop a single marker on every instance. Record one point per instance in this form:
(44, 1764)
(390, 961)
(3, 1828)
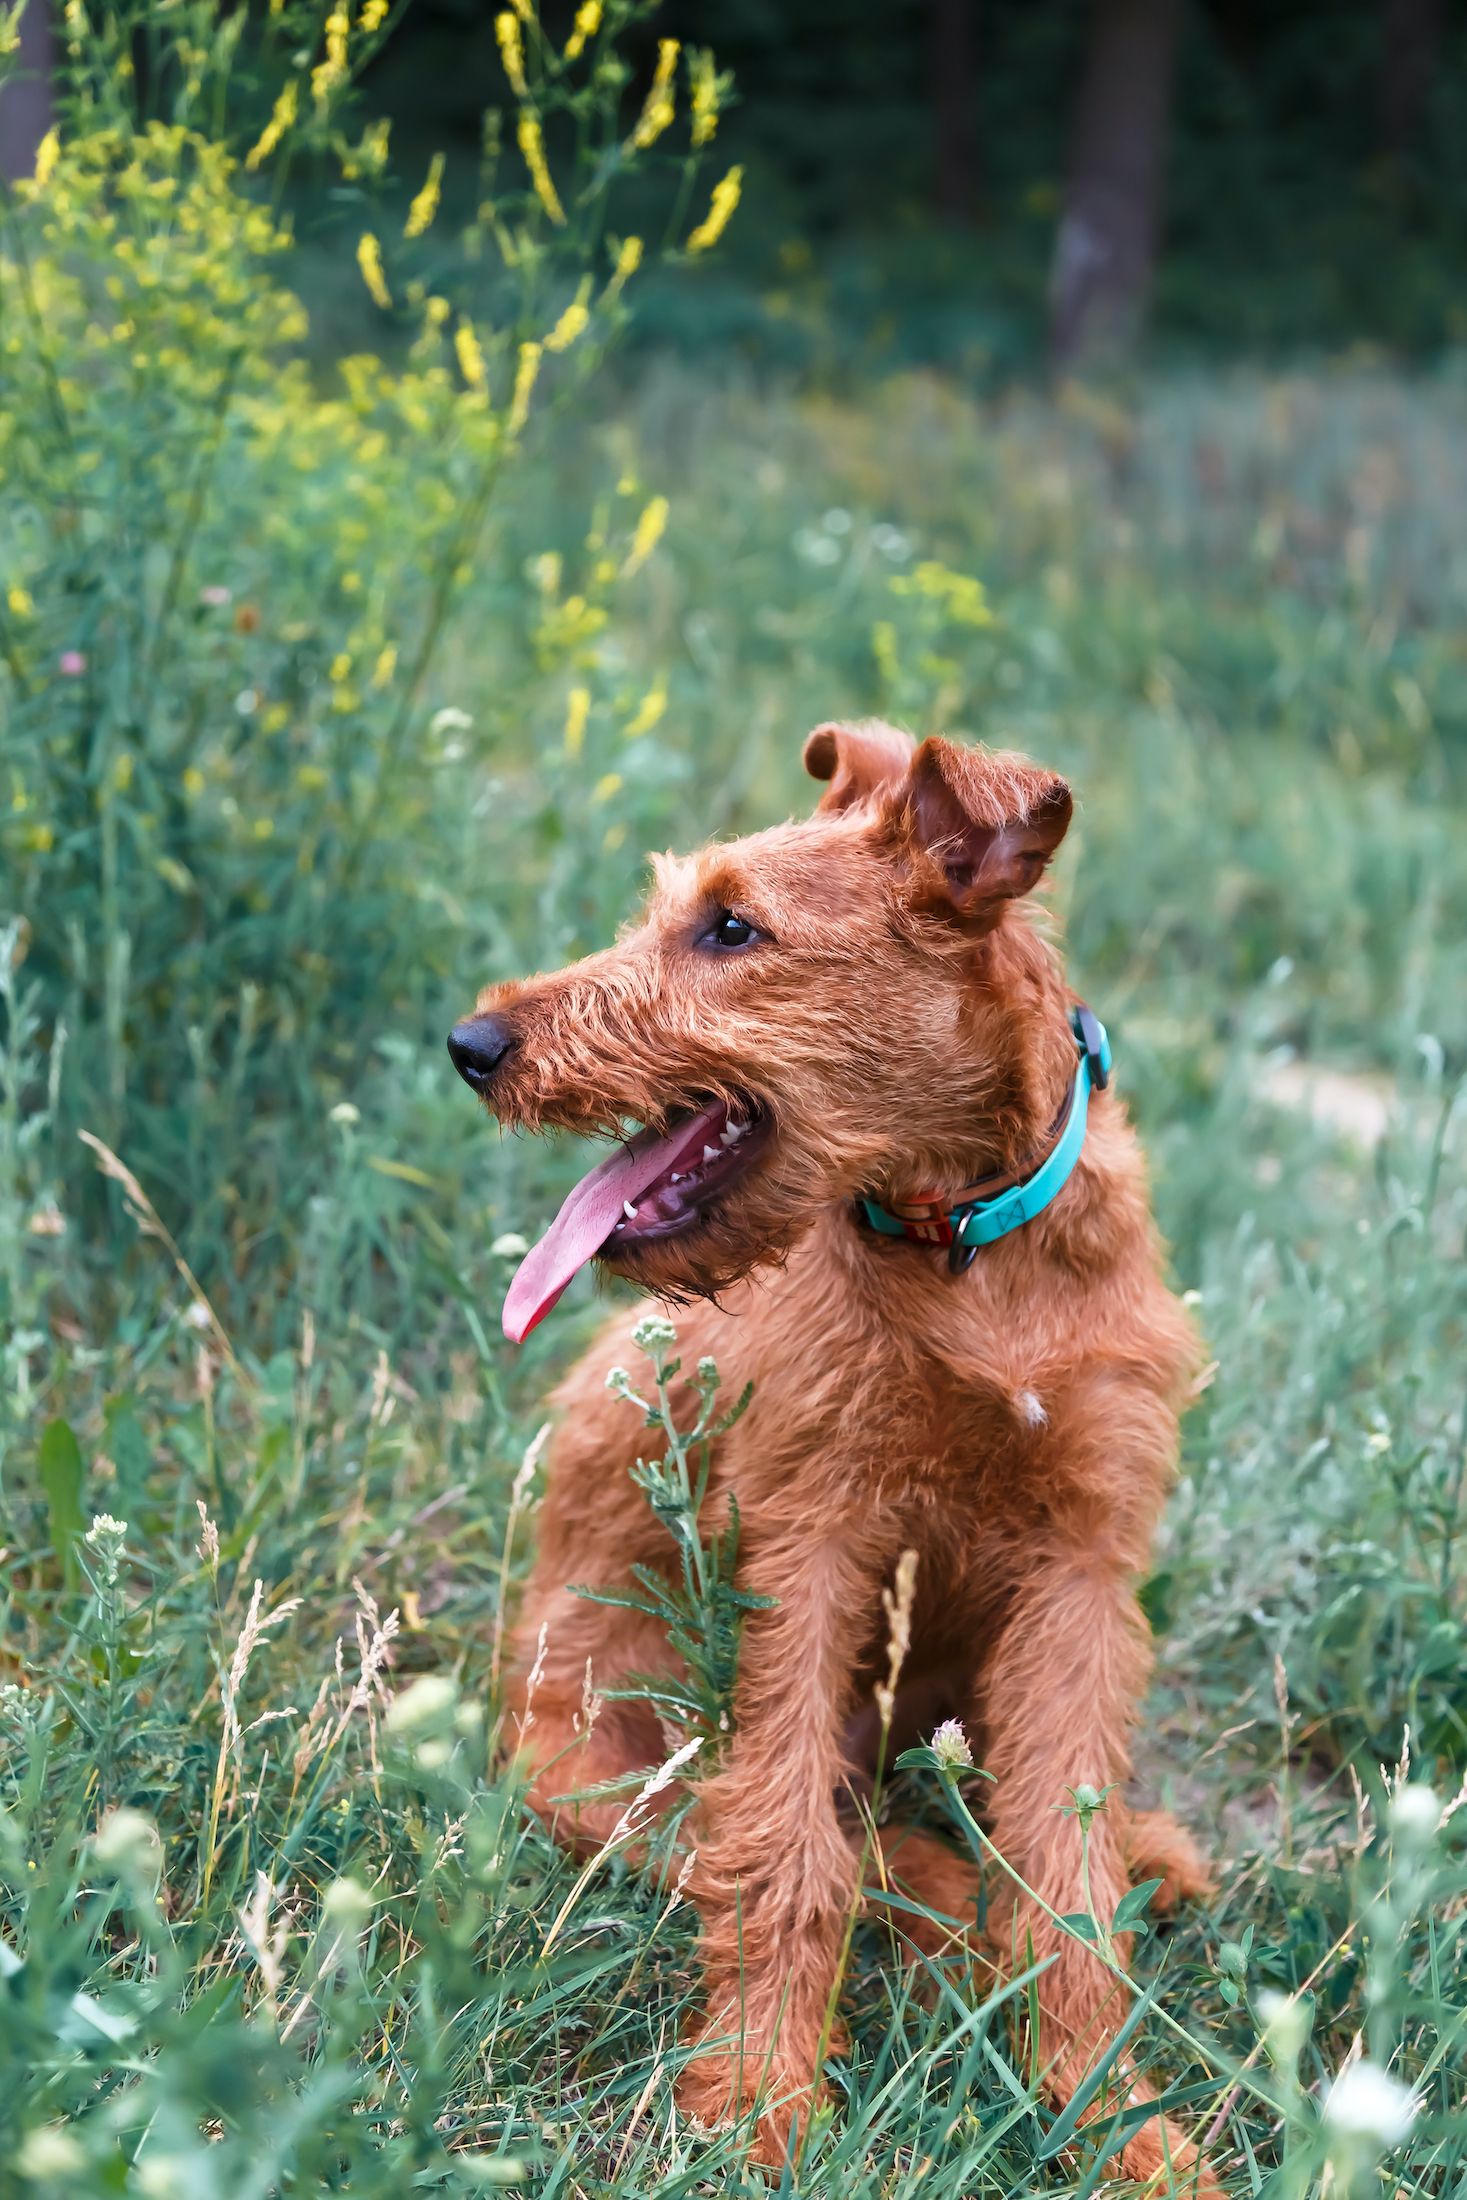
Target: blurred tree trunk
(1412, 38)
(25, 101)
(1108, 231)
(954, 148)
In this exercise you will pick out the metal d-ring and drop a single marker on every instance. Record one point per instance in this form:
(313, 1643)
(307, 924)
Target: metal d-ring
(961, 1255)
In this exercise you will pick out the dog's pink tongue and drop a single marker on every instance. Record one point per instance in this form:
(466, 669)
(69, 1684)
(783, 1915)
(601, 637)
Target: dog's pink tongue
(591, 1213)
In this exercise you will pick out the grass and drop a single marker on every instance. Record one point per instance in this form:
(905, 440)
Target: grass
(273, 1916)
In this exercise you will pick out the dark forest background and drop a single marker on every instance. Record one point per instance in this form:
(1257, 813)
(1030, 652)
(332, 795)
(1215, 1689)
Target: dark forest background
(979, 182)
(985, 183)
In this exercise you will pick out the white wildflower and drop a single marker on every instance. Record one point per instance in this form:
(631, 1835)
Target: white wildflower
(951, 1747)
(1369, 2107)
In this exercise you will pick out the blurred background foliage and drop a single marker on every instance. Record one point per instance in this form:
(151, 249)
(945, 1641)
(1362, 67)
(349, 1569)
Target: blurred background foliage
(386, 565)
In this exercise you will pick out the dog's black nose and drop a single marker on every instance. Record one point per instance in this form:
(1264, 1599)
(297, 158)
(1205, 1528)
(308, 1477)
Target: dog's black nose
(477, 1047)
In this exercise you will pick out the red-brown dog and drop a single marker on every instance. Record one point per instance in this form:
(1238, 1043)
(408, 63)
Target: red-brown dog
(849, 1043)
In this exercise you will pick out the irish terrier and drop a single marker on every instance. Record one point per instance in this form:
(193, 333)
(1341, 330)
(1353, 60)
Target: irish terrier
(880, 1167)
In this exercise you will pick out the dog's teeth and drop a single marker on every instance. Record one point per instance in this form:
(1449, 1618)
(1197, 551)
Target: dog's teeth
(710, 1153)
(675, 1178)
(732, 1133)
(629, 1210)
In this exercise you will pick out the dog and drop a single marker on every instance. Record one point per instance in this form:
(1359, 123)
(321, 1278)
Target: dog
(854, 1056)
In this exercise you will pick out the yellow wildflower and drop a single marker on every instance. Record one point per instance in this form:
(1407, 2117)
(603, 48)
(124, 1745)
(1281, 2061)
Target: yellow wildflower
(20, 601)
(511, 50)
(884, 650)
(371, 154)
(340, 667)
(436, 311)
(646, 535)
(587, 24)
(707, 89)
(38, 838)
(607, 787)
(369, 260)
(725, 198)
(961, 596)
(374, 14)
(48, 152)
(524, 383)
(532, 145)
(385, 666)
(577, 711)
(470, 357)
(282, 115)
(572, 323)
(628, 260)
(425, 205)
(649, 710)
(193, 780)
(657, 113)
(332, 71)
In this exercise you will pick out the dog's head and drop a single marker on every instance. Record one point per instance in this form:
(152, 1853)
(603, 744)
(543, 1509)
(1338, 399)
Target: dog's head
(812, 1011)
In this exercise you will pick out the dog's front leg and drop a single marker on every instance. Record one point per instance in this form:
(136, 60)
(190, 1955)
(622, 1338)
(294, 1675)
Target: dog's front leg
(1059, 1697)
(775, 1877)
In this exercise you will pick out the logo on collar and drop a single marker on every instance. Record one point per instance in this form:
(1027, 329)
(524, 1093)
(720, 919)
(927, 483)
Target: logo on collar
(983, 1213)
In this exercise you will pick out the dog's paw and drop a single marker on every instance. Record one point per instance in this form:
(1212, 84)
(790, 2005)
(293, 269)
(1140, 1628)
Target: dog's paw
(1168, 2166)
(771, 2096)
(1159, 1846)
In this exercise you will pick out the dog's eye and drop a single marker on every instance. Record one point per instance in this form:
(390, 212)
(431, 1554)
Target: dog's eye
(728, 930)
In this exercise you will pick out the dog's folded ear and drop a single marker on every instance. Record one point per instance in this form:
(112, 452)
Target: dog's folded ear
(860, 761)
(982, 825)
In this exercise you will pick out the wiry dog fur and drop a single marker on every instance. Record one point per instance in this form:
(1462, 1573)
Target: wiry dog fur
(903, 1024)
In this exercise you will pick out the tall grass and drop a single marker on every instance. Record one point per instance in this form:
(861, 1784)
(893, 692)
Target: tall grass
(293, 762)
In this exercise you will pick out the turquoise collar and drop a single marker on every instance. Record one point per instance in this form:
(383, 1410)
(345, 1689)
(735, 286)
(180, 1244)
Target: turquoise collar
(979, 1218)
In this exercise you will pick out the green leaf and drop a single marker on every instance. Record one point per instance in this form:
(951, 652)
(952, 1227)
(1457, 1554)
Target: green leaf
(62, 1474)
(1082, 1924)
(1132, 1907)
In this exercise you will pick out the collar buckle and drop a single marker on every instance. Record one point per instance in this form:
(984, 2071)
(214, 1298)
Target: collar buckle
(1090, 1038)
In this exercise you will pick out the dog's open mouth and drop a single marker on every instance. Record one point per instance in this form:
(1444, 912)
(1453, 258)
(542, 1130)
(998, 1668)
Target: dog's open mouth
(655, 1186)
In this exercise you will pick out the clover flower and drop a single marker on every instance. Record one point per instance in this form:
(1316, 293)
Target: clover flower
(951, 1747)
